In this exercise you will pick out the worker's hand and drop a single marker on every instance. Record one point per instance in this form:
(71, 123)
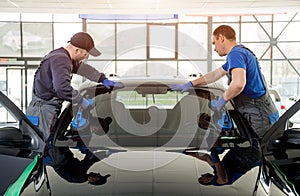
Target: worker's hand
(86, 103)
(218, 104)
(109, 83)
(181, 87)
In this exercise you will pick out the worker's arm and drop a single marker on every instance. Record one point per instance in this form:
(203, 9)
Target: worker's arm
(237, 84)
(221, 173)
(210, 77)
(222, 177)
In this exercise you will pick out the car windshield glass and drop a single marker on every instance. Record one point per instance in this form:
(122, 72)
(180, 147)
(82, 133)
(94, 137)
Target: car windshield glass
(157, 118)
(133, 99)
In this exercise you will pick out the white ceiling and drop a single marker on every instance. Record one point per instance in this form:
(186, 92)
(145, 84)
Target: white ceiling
(201, 7)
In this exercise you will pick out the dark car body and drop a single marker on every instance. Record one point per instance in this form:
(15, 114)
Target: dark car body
(145, 147)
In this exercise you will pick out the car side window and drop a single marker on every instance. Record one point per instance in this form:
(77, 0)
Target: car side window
(6, 117)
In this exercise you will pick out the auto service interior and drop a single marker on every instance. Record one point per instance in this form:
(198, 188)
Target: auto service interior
(152, 39)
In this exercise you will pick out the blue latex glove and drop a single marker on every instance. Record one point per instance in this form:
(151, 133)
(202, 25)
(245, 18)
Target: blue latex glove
(218, 104)
(86, 103)
(109, 83)
(181, 87)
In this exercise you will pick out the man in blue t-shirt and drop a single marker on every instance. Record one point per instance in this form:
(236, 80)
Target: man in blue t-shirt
(246, 84)
(235, 163)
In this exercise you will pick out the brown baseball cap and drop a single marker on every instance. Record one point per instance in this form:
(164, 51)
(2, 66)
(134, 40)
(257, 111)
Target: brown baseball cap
(85, 41)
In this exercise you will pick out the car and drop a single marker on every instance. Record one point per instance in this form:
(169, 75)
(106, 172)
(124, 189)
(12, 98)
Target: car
(277, 101)
(143, 138)
(295, 120)
(281, 150)
(12, 39)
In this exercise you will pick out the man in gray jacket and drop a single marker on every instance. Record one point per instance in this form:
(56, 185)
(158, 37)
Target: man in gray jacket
(52, 80)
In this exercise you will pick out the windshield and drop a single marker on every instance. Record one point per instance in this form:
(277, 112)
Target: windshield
(134, 100)
(153, 116)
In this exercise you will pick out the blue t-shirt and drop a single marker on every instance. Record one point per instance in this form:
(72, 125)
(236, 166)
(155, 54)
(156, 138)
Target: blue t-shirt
(240, 57)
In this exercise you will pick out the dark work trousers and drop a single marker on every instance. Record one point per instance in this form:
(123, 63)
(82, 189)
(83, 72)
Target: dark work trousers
(261, 112)
(47, 112)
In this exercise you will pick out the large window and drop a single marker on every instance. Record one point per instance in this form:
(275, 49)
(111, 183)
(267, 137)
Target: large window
(10, 39)
(175, 47)
(274, 40)
(131, 41)
(162, 41)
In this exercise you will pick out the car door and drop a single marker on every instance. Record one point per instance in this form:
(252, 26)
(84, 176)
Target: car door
(281, 153)
(21, 145)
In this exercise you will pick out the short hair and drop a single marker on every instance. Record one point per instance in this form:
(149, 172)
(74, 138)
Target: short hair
(206, 175)
(226, 31)
(204, 183)
(101, 179)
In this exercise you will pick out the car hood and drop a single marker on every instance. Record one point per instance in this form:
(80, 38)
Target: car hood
(148, 173)
(277, 130)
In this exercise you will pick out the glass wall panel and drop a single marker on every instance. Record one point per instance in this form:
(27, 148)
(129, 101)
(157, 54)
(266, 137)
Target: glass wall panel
(131, 68)
(104, 38)
(217, 63)
(131, 41)
(289, 33)
(162, 41)
(36, 42)
(138, 52)
(266, 69)
(10, 39)
(189, 68)
(15, 87)
(162, 68)
(290, 50)
(3, 86)
(287, 80)
(192, 41)
(63, 33)
(30, 77)
(254, 32)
